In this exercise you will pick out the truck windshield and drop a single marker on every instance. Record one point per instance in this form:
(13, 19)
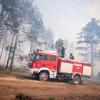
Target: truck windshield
(37, 56)
(41, 57)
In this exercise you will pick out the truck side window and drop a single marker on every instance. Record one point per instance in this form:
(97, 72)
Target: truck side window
(52, 58)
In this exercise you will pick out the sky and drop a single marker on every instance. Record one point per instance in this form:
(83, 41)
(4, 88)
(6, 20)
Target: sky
(67, 17)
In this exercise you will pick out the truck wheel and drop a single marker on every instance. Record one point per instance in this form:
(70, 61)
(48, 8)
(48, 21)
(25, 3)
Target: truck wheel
(76, 79)
(43, 76)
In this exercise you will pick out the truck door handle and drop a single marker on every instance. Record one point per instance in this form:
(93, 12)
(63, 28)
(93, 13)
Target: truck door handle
(43, 65)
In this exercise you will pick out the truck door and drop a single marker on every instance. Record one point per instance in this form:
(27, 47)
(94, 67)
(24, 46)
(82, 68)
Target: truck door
(52, 64)
(41, 60)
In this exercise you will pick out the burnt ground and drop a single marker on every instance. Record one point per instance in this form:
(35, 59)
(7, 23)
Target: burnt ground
(18, 86)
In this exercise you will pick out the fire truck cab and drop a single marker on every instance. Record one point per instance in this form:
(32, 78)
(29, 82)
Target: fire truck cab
(46, 65)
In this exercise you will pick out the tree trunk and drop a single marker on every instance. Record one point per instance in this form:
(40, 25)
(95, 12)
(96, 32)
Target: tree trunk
(10, 52)
(2, 48)
(31, 47)
(15, 45)
(92, 62)
(5, 58)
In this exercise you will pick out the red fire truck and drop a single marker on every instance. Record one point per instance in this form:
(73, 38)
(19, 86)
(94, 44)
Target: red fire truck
(46, 65)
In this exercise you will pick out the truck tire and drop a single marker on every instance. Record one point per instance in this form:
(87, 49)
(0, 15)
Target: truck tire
(43, 76)
(76, 79)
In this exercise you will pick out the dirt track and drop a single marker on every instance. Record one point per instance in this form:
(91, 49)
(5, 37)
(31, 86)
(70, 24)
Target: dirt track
(10, 86)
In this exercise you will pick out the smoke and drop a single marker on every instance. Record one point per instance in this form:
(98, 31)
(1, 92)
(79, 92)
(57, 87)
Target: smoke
(96, 67)
(93, 8)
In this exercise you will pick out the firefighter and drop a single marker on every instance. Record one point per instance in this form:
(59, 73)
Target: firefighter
(63, 52)
(71, 56)
(37, 50)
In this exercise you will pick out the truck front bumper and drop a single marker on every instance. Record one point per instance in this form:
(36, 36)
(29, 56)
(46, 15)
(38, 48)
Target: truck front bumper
(30, 71)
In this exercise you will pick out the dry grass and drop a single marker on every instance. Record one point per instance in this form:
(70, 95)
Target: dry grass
(23, 87)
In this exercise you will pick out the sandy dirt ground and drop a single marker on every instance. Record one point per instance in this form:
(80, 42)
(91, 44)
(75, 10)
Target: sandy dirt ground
(13, 87)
